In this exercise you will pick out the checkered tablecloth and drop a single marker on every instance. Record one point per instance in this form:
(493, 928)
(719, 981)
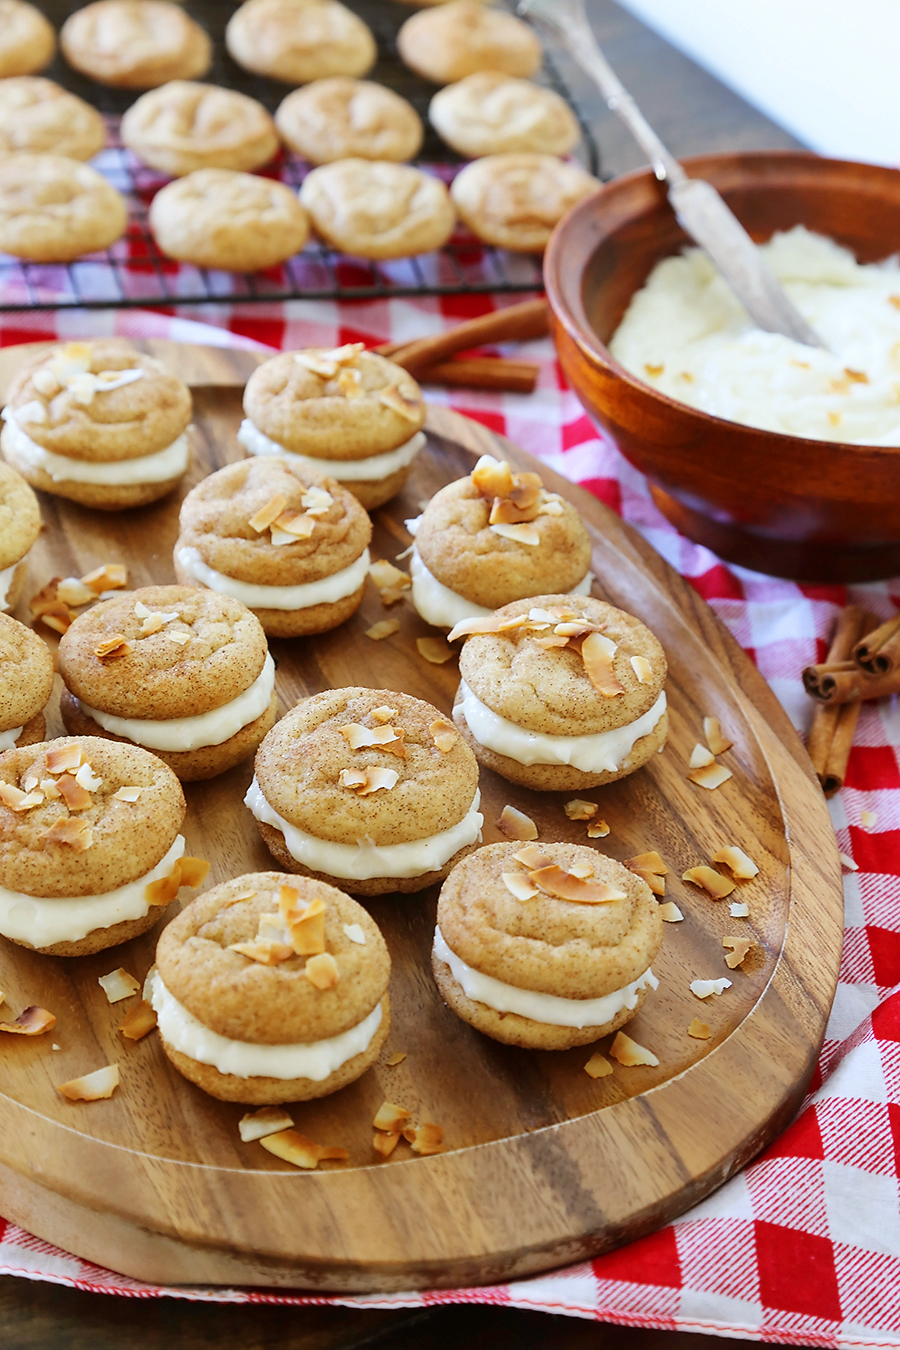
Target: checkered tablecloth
(803, 1247)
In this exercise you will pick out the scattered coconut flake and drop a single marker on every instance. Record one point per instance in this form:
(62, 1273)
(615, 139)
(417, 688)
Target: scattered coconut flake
(504, 511)
(117, 645)
(518, 885)
(389, 739)
(435, 650)
(366, 781)
(597, 658)
(444, 734)
(648, 862)
(706, 988)
(598, 1066)
(709, 880)
(712, 777)
(45, 598)
(296, 1148)
(699, 1030)
(868, 820)
(492, 477)
(267, 953)
(127, 794)
(737, 862)
(92, 1087)
(489, 624)
(670, 913)
(847, 863)
(87, 779)
(581, 870)
(328, 363)
(739, 910)
(738, 949)
(181, 638)
(642, 669)
(391, 1118)
(306, 927)
(74, 592)
(519, 534)
(384, 713)
(118, 984)
(50, 790)
(350, 383)
(580, 810)
(76, 834)
(268, 514)
(109, 577)
(316, 501)
(396, 1058)
(65, 758)
(701, 757)
(516, 825)
(379, 631)
(393, 397)
(58, 617)
(355, 932)
(425, 1139)
(322, 971)
(73, 794)
(17, 800)
(715, 739)
(139, 1022)
(562, 885)
(385, 1143)
(531, 857)
(140, 610)
(152, 624)
(598, 829)
(629, 1053)
(32, 1021)
(165, 889)
(268, 1120)
(289, 527)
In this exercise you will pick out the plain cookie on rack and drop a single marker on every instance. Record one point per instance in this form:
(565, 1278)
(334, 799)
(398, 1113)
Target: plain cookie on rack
(26, 683)
(20, 525)
(27, 39)
(184, 126)
(515, 201)
(39, 117)
(234, 221)
(376, 209)
(299, 40)
(135, 44)
(312, 1010)
(490, 113)
(54, 209)
(342, 118)
(451, 41)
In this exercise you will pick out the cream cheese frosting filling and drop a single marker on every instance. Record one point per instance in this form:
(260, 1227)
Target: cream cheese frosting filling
(361, 861)
(604, 752)
(369, 470)
(42, 921)
(155, 468)
(192, 733)
(6, 577)
(8, 738)
(443, 608)
(547, 1008)
(314, 1060)
(325, 591)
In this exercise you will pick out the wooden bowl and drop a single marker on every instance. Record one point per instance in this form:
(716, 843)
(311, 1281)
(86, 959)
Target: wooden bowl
(812, 510)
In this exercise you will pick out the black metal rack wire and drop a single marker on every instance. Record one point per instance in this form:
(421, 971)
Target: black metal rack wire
(134, 274)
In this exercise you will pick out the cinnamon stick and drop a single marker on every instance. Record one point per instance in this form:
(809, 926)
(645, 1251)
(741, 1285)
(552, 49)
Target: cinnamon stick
(879, 653)
(485, 372)
(516, 323)
(834, 723)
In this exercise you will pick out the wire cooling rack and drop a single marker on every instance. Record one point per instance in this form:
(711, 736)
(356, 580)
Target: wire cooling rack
(133, 272)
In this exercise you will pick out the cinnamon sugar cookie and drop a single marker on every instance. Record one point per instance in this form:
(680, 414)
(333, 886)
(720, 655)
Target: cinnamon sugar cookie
(184, 126)
(490, 113)
(39, 117)
(234, 221)
(54, 209)
(27, 39)
(341, 118)
(375, 209)
(515, 201)
(299, 40)
(20, 525)
(26, 682)
(451, 41)
(272, 988)
(135, 44)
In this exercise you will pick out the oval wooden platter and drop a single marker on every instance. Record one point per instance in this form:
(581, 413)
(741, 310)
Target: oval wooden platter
(543, 1165)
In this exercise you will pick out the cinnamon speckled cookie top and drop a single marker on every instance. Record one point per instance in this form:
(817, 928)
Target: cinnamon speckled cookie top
(270, 1005)
(159, 678)
(20, 516)
(545, 944)
(300, 763)
(128, 839)
(547, 689)
(60, 408)
(339, 416)
(215, 520)
(26, 673)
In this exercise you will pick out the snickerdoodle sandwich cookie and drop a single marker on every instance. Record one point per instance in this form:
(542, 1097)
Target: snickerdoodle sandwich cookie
(491, 538)
(451, 41)
(90, 850)
(545, 946)
(299, 40)
(27, 39)
(561, 692)
(20, 525)
(291, 545)
(271, 988)
(99, 423)
(183, 126)
(368, 789)
(346, 413)
(183, 672)
(135, 44)
(26, 683)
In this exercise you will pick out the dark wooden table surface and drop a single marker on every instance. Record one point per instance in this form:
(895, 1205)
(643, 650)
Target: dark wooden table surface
(693, 113)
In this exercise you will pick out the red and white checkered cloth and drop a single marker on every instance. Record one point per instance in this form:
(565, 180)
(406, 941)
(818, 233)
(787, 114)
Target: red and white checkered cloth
(803, 1247)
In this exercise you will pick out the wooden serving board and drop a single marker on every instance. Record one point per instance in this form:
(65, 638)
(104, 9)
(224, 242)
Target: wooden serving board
(543, 1164)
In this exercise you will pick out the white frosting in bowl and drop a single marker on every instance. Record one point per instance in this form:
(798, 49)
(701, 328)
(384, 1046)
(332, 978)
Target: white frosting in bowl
(325, 591)
(156, 468)
(8, 738)
(443, 608)
(192, 733)
(605, 752)
(314, 1060)
(44, 922)
(369, 470)
(361, 861)
(547, 1008)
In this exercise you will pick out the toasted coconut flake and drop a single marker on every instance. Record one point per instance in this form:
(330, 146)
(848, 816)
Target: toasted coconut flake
(259, 1124)
(391, 1118)
(267, 953)
(118, 984)
(580, 810)
(322, 971)
(396, 1058)
(489, 624)
(76, 834)
(45, 599)
(117, 645)
(139, 1022)
(385, 1143)
(379, 631)
(598, 829)
(165, 889)
(715, 739)
(548, 643)
(435, 650)
(444, 734)
(531, 857)
(598, 1066)
(712, 777)
(291, 525)
(317, 364)
(307, 928)
(296, 1148)
(65, 758)
(868, 820)
(629, 1053)
(386, 576)
(699, 1030)
(355, 932)
(709, 880)
(393, 397)
(563, 885)
(847, 863)
(384, 713)
(519, 534)
(91, 1087)
(13, 797)
(551, 507)
(109, 577)
(492, 477)
(73, 794)
(58, 617)
(366, 781)
(597, 658)
(352, 778)
(194, 871)
(582, 870)
(181, 638)
(86, 778)
(706, 988)
(74, 592)
(505, 512)
(350, 383)
(127, 794)
(739, 910)
(425, 1140)
(642, 669)
(737, 862)
(267, 514)
(359, 737)
(738, 949)
(670, 913)
(317, 501)
(518, 885)
(152, 624)
(344, 355)
(32, 1021)
(527, 490)
(50, 790)
(656, 883)
(648, 862)
(701, 757)
(516, 825)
